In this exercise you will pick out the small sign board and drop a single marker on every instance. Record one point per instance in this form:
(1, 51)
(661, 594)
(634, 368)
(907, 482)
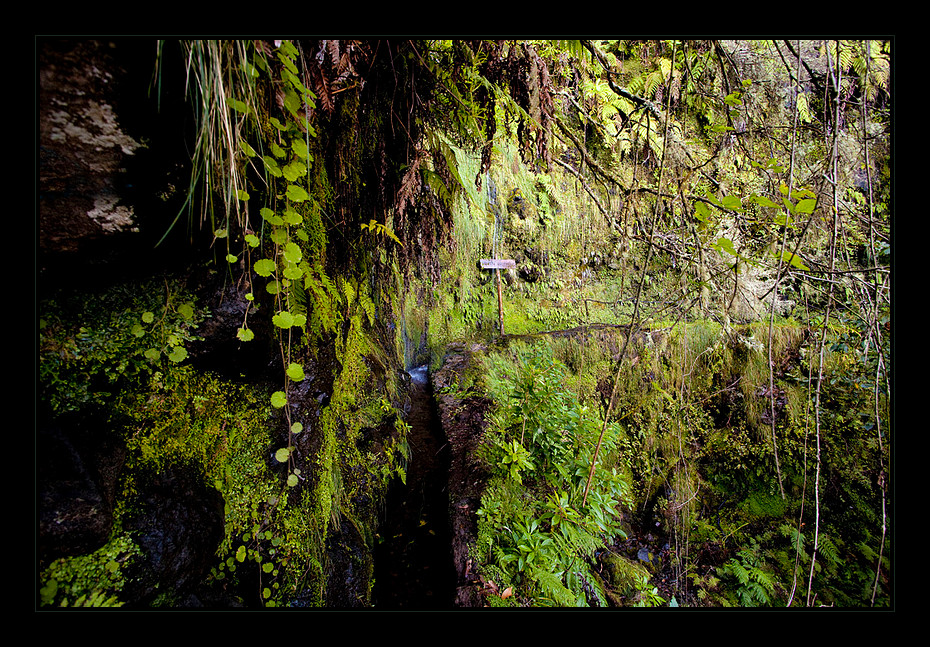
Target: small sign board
(497, 264)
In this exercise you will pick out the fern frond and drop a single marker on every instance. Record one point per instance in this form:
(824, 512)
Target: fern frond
(552, 588)
(846, 56)
(803, 107)
(348, 292)
(324, 315)
(763, 578)
(296, 298)
(735, 568)
(368, 306)
(753, 595)
(573, 540)
(828, 550)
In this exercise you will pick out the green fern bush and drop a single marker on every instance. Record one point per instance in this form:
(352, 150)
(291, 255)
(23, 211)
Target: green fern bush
(537, 534)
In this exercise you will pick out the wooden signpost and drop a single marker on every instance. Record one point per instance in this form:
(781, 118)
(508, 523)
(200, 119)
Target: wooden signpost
(498, 264)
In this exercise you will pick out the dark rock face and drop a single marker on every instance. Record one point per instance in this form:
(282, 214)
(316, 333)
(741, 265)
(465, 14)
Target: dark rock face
(351, 567)
(82, 147)
(77, 469)
(112, 161)
(179, 527)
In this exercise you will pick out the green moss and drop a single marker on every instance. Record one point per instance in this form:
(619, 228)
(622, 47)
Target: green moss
(173, 414)
(92, 580)
(92, 345)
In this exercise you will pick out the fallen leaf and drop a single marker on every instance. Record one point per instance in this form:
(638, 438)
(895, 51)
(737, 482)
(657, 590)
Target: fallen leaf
(507, 592)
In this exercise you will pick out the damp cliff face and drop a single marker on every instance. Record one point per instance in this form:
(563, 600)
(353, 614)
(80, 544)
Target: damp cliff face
(157, 477)
(112, 164)
(83, 147)
(181, 462)
(94, 187)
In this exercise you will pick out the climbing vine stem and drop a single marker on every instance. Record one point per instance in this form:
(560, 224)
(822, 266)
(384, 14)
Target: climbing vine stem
(634, 321)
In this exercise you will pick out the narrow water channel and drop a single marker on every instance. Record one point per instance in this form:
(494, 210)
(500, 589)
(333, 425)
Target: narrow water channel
(413, 559)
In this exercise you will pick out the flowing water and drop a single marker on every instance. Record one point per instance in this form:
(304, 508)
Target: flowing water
(413, 560)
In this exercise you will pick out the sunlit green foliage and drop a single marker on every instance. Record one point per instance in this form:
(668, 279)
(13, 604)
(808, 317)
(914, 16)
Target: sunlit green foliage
(536, 533)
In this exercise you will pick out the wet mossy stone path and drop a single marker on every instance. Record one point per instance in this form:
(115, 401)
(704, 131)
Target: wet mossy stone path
(413, 558)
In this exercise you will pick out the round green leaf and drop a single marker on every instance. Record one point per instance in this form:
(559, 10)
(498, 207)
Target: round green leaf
(186, 310)
(292, 252)
(271, 164)
(297, 193)
(299, 146)
(266, 213)
(247, 149)
(252, 240)
(283, 319)
(231, 258)
(732, 202)
(293, 272)
(282, 455)
(296, 428)
(237, 104)
(278, 399)
(295, 372)
(292, 217)
(152, 353)
(138, 330)
(264, 267)
(148, 317)
(245, 334)
(294, 170)
(292, 480)
(178, 354)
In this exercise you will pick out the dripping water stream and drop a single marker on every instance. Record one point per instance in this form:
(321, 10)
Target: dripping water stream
(413, 560)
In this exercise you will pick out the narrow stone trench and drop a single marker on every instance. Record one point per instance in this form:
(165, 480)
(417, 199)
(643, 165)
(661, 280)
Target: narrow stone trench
(413, 557)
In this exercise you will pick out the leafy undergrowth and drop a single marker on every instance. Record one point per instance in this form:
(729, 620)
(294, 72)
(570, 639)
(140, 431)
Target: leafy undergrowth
(540, 522)
(693, 466)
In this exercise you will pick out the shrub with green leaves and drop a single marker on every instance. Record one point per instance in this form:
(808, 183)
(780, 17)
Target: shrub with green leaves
(537, 533)
(91, 344)
(92, 580)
